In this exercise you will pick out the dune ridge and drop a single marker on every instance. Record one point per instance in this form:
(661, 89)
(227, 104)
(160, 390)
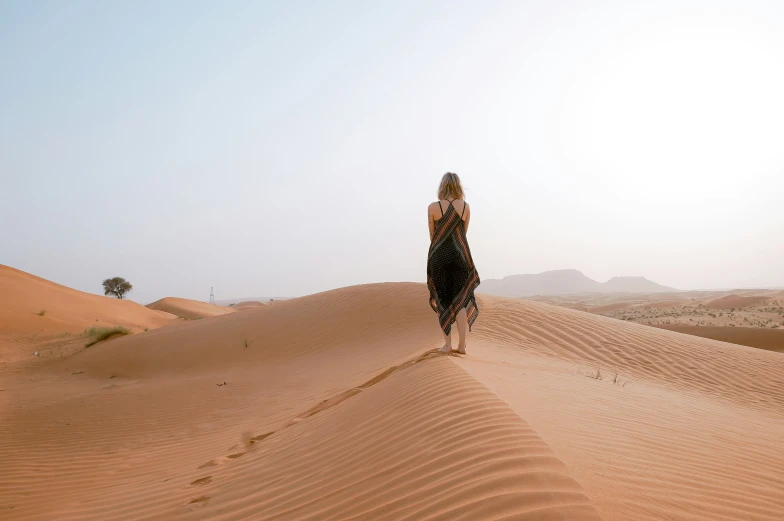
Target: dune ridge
(429, 442)
(333, 406)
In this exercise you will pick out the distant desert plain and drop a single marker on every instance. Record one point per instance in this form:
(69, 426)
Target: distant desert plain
(752, 317)
(577, 400)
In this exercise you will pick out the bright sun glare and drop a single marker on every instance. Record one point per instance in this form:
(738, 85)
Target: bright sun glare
(696, 108)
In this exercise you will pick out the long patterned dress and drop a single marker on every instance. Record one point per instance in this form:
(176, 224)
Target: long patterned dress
(451, 274)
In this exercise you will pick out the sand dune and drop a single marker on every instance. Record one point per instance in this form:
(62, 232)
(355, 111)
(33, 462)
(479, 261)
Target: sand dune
(335, 407)
(661, 304)
(770, 339)
(36, 313)
(188, 309)
(737, 301)
(249, 304)
(608, 307)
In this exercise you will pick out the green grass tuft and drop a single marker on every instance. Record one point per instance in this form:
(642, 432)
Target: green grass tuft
(102, 333)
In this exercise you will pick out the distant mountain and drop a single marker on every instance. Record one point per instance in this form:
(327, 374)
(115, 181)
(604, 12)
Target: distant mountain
(564, 282)
(634, 285)
(547, 283)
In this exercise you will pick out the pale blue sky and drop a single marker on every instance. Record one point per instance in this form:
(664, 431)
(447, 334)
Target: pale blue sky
(283, 148)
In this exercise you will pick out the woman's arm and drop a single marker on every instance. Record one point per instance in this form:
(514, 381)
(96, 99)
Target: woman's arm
(467, 217)
(431, 224)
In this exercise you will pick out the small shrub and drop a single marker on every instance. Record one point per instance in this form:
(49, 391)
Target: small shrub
(42, 313)
(100, 334)
(597, 375)
(619, 382)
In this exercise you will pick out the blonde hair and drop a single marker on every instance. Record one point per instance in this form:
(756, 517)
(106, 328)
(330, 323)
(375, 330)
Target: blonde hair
(450, 187)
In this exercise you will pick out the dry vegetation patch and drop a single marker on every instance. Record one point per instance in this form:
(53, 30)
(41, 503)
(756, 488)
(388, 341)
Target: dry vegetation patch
(100, 334)
(768, 315)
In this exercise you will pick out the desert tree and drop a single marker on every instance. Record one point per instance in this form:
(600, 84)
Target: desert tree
(117, 286)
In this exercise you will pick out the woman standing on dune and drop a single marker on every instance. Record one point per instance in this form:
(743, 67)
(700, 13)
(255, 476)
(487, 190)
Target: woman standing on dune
(451, 275)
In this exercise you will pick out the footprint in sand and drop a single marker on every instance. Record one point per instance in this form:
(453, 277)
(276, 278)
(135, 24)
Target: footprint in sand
(219, 461)
(202, 481)
(326, 404)
(260, 437)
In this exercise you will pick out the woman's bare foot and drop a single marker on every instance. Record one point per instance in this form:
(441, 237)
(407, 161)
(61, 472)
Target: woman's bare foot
(462, 325)
(445, 349)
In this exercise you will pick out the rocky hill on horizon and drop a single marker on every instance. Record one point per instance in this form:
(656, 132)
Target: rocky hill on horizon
(565, 282)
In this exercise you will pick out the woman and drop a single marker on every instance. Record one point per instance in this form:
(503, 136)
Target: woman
(451, 275)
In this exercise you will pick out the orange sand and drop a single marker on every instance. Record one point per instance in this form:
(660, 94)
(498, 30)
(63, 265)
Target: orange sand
(335, 408)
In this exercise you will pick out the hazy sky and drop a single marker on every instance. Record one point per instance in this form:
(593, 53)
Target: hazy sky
(284, 148)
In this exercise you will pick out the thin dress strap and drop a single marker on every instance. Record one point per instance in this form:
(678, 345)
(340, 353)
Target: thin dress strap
(463, 212)
(441, 207)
